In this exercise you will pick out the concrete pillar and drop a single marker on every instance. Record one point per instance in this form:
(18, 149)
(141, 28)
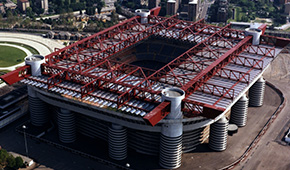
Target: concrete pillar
(171, 133)
(66, 126)
(218, 135)
(143, 13)
(256, 93)
(240, 111)
(117, 142)
(38, 109)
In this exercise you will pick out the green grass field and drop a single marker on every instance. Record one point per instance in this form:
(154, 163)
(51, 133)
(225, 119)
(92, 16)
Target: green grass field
(10, 56)
(31, 49)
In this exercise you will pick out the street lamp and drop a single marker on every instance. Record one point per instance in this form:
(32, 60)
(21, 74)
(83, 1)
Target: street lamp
(26, 149)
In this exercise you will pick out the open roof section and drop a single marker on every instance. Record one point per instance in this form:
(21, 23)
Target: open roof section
(213, 72)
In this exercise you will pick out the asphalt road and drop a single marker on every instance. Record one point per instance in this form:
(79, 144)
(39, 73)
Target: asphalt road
(206, 159)
(271, 152)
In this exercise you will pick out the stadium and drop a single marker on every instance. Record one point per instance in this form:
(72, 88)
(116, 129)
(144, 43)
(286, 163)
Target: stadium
(160, 86)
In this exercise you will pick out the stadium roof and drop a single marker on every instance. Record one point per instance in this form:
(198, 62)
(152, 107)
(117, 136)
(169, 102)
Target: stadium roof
(214, 72)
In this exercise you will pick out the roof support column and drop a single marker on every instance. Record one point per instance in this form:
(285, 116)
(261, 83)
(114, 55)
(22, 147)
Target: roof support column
(38, 109)
(66, 125)
(256, 93)
(219, 134)
(171, 133)
(239, 112)
(117, 142)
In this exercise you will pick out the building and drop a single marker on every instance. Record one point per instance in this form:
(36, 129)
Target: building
(287, 8)
(153, 3)
(13, 105)
(43, 4)
(172, 7)
(110, 3)
(222, 14)
(160, 86)
(188, 10)
(283, 1)
(22, 5)
(193, 10)
(10, 5)
(2, 10)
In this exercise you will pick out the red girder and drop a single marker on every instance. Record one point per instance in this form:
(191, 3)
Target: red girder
(83, 62)
(274, 41)
(234, 75)
(16, 75)
(90, 41)
(263, 27)
(195, 83)
(261, 59)
(158, 113)
(93, 60)
(217, 90)
(212, 69)
(155, 11)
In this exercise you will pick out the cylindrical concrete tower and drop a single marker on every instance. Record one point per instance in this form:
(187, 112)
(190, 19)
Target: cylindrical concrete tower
(256, 33)
(256, 93)
(35, 62)
(66, 126)
(219, 134)
(240, 111)
(143, 13)
(171, 133)
(117, 142)
(38, 109)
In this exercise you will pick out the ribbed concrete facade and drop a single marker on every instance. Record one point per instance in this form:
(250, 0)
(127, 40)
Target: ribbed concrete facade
(218, 135)
(117, 142)
(239, 112)
(66, 126)
(256, 93)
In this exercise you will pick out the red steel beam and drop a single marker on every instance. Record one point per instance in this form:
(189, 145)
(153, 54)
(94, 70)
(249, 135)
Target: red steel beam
(52, 58)
(257, 63)
(155, 11)
(195, 83)
(263, 27)
(16, 75)
(93, 60)
(158, 113)
(215, 67)
(275, 41)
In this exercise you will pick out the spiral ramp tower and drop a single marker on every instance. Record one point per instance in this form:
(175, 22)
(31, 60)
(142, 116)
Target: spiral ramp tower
(171, 133)
(239, 112)
(66, 126)
(218, 135)
(38, 109)
(256, 93)
(117, 142)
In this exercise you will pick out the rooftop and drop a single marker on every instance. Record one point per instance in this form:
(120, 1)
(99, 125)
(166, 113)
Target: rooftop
(221, 64)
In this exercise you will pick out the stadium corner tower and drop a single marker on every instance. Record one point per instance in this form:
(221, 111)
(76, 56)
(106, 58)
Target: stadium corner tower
(160, 86)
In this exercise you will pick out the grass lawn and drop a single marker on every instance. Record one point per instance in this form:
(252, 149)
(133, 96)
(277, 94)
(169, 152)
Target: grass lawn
(10, 56)
(31, 49)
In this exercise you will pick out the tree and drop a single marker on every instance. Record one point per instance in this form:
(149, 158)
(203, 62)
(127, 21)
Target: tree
(114, 17)
(90, 10)
(11, 161)
(29, 12)
(3, 156)
(100, 5)
(18, 162)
